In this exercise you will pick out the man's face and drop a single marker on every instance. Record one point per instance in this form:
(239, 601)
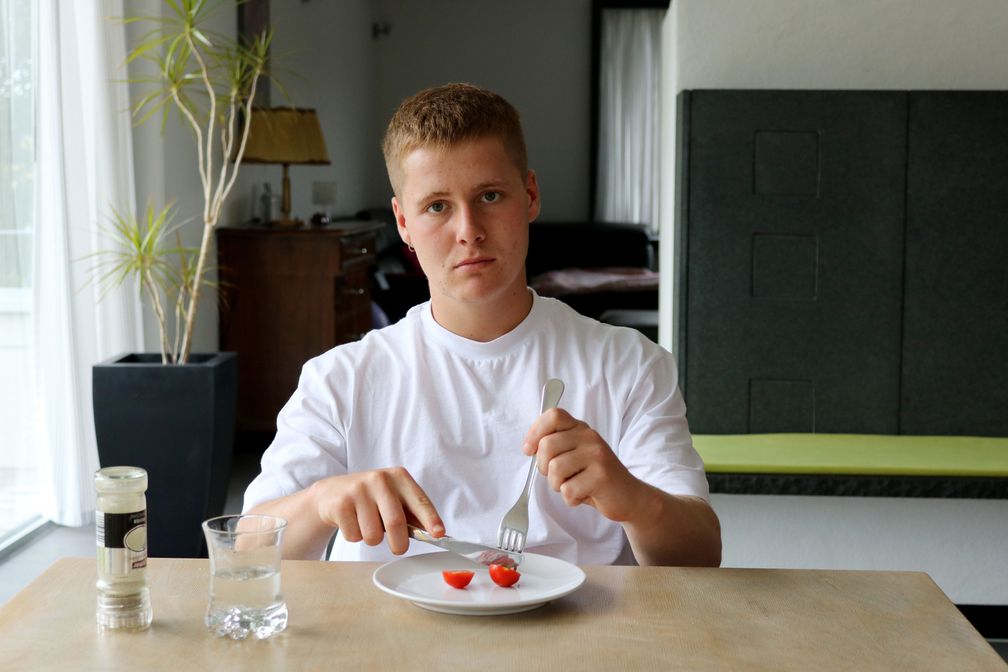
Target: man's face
(466, 211)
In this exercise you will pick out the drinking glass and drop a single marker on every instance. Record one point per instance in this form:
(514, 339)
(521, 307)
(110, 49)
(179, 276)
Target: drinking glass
(245, 596)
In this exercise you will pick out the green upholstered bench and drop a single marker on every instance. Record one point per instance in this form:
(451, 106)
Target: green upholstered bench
(856, 465)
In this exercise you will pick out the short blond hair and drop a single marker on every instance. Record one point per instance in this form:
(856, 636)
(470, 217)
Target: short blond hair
(444, 116)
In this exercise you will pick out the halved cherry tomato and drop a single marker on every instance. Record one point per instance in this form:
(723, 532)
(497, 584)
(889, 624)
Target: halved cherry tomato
(504, 576)
(458, 578)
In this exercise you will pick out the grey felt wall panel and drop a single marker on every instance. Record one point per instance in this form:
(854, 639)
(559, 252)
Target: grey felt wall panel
(793, 239)
(844, 261)
(955, 335)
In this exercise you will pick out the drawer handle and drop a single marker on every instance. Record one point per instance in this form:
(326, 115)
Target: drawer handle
(353, 291)
(356, 336)
(357, 251)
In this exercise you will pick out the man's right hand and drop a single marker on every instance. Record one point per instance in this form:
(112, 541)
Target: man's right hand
(372, 505)
(366, 506)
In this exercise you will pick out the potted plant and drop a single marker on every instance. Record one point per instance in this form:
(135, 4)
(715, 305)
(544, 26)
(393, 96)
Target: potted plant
(173, 413)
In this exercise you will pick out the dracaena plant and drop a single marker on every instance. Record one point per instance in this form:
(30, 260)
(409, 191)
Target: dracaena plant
(209, 80)
(162, 269)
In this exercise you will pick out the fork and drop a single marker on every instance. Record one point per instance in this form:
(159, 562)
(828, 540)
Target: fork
(514, 525)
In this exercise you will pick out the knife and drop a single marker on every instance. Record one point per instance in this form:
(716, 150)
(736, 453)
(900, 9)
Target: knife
(485, 555)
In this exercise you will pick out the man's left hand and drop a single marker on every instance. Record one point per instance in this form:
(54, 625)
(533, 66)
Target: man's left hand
(581, 466)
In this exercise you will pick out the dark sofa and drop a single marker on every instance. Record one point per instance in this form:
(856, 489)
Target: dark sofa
(608, 267)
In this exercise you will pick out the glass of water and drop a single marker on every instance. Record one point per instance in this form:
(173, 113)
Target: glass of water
(245, 595)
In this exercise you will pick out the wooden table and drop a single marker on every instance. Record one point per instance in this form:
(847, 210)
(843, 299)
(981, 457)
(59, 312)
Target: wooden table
(622, 618)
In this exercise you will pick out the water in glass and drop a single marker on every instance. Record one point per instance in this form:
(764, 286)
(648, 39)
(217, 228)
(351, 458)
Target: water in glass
(245, 593)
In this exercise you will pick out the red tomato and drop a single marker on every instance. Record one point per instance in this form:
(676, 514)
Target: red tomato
(504, 576)
(459, 578)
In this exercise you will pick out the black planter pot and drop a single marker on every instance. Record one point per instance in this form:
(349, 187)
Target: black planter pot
(178, 423)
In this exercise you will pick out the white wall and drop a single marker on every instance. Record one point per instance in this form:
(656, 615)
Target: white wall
(961, 544)
(325, 58)
(859, 44)
(668, 306)
(535, 54)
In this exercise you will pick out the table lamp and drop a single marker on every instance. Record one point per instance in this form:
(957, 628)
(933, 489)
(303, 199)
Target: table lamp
(285, 135)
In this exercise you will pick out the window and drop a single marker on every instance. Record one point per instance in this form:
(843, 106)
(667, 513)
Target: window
(626, 73)
(20, 477)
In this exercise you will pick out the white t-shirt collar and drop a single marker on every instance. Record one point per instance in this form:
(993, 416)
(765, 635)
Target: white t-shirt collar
(471, 349)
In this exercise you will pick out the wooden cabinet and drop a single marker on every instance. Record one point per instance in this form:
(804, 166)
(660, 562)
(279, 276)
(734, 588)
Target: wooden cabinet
(285, 297)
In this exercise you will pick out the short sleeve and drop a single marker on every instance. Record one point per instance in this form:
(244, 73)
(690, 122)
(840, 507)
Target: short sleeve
(310, 442)
(656, 445)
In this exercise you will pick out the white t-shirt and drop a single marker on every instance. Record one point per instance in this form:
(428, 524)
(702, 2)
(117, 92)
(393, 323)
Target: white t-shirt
(454, 412)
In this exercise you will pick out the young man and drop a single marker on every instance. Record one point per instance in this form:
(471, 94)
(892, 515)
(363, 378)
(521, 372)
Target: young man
(432, 420)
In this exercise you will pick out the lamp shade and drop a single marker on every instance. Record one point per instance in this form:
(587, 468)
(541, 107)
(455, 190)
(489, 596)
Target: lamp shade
(285, 135)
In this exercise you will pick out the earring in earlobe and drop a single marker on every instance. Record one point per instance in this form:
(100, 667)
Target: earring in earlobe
(410, 247)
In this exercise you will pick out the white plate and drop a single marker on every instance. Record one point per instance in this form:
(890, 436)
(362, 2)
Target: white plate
(417, 578)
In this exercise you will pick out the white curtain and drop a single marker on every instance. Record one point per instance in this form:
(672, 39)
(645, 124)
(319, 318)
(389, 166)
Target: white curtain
(84, 168)
(629, 120)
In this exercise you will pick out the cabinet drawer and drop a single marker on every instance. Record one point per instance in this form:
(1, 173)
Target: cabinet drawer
(352, 306)
(357, 249)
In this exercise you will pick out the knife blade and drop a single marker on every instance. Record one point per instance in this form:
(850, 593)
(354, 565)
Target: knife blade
(485, 555)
